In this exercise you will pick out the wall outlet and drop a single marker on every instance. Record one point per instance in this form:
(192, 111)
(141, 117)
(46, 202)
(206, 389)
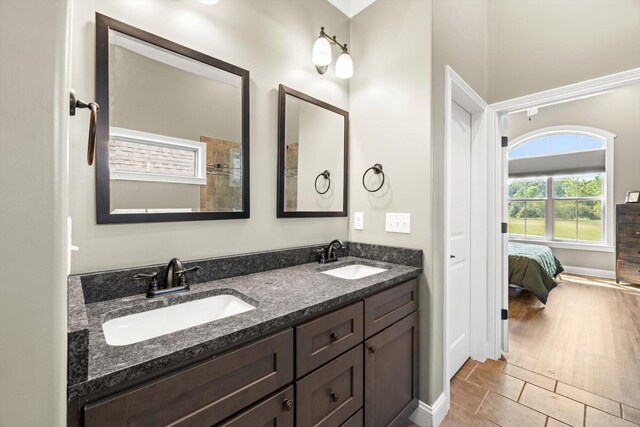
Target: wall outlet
(398, 223)
(358, 220)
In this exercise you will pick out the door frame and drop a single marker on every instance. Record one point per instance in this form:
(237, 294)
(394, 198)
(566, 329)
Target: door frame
(497, 127)
(458, 91)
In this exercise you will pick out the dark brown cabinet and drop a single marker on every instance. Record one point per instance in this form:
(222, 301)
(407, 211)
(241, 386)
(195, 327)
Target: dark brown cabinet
(391, 374)
(628, 243)
(356, 366)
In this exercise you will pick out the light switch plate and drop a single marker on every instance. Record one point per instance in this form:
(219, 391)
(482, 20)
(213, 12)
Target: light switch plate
(358, 220)
(398, 223)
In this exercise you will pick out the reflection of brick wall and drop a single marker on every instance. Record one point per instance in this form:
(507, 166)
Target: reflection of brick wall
(140, 157)
(222, 192)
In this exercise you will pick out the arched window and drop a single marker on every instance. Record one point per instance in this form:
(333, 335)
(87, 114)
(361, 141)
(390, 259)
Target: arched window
(561, 187)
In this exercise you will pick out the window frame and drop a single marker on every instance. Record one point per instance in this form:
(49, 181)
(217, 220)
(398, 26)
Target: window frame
(138, 137)
(607, 244)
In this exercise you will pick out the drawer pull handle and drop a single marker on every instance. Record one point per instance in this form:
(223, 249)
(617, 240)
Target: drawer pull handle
(372, 348)
(287, 405)
(335, 396)
(335, 336)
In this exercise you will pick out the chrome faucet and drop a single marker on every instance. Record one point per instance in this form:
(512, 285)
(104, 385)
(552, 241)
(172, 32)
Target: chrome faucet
(329, 254)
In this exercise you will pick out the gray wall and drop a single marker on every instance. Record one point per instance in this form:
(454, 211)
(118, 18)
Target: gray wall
(460, 41)
(536, 45)
(389, 111)
(273, 40)
(34, 108)
(617, 112)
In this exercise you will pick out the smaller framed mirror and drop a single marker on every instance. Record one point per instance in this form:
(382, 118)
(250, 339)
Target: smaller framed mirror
(313, 156)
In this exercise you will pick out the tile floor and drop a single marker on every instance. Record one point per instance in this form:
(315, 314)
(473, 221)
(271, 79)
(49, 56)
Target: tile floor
(496, 393)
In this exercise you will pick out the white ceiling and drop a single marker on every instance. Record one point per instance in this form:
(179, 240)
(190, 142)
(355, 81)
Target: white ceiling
(351, 7)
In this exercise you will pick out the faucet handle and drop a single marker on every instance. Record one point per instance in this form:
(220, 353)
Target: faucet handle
(321, 254)
(188, 270)
(153, 280)
(182, 276)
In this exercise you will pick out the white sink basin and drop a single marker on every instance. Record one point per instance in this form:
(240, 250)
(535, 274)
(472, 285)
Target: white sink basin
(354, 271)
(138, 327)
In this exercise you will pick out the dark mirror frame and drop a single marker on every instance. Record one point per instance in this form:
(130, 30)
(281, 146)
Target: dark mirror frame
(282, 116)
(103, 188)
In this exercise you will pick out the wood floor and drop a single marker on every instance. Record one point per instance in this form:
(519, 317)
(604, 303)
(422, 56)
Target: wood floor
(574, 362)
(587, 336)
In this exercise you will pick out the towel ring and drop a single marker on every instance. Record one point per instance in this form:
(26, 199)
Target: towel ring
(377, 169)
(326, 175)
(75, 103)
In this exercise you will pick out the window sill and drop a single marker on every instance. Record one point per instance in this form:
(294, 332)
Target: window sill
(567, 245)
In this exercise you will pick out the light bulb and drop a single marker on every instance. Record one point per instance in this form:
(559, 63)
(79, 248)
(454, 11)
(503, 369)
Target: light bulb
(321, 52)
(344, 66)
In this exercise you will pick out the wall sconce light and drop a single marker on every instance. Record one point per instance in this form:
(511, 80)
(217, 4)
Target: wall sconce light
(321, 56)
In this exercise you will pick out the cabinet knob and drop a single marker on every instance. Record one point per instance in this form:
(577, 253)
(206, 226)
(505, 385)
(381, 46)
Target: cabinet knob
(335, 396)
(335, 336)
(287, 405)
(372, 348)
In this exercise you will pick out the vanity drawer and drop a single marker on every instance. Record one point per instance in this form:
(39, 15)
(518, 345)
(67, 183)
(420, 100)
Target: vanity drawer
(204, 394)
(330, 395)
(322, 339)
(387, 307)
(275, 411)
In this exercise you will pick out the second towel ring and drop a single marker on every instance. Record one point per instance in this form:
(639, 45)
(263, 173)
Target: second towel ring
(327, 175)
(377, 169)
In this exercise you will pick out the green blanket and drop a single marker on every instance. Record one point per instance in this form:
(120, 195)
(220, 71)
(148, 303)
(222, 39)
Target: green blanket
(534, 268)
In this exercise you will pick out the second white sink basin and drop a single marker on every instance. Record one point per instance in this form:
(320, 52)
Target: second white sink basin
(138, 327)
(354, 271)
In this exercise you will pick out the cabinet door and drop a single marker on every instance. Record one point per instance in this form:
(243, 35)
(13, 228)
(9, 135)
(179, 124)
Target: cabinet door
(276, 411)
(391, 374)
(204, 394)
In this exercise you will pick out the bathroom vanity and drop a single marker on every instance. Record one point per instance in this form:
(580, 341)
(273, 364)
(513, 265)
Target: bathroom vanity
(317, 349)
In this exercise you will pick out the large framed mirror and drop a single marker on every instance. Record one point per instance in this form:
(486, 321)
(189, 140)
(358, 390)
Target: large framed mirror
(173, 131)
(313, 156)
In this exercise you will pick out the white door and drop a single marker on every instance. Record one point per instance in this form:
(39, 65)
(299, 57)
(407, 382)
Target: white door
(459, 306)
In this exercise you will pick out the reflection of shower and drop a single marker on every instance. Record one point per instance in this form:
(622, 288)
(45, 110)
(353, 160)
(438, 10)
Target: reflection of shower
(222, 170)
(291, 172)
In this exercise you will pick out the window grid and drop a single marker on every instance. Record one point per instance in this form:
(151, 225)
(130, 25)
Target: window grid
(550, 212)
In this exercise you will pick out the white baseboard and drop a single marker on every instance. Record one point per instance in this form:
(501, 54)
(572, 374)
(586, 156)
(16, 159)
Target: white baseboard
(607, 274)
(430, 415)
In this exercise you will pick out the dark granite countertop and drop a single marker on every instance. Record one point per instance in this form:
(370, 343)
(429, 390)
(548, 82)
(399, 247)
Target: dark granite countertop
(283, 297)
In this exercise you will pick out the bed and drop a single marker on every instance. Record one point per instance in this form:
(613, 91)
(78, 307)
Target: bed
(534, 268)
